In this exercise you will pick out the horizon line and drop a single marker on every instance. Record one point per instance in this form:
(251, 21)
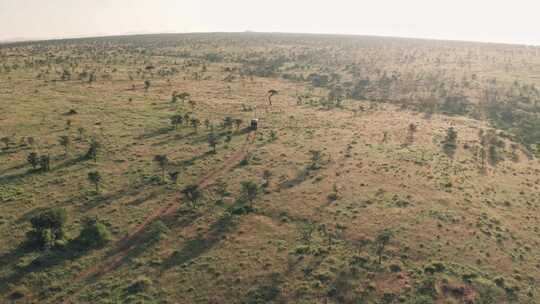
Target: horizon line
(15, 40)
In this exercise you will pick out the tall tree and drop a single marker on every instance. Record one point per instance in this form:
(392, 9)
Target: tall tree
(192, 193)
(195, 123)
(249, 191)
(212, 141)
(93, 150)
(176, 119)
(162, 161)
(65, 141)
(94, 177)
(147, 85)
(238, 123)
(271, 93)
(381, 241)
(33, 159)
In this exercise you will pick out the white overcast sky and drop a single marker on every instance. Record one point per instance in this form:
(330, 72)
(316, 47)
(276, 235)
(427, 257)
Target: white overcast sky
(516, 21)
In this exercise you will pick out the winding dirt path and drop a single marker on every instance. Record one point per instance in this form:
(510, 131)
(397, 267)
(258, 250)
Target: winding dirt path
(127, 244)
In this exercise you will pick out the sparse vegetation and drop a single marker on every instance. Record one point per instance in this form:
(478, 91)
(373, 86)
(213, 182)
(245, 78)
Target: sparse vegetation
(437, 140)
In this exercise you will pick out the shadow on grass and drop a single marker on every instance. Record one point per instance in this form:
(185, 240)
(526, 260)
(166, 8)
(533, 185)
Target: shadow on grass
(48, 259)
(7, 179)
(189, 162)
(174, 138)
(266, 292)
(300, 178)
(198, 246)
(10, 256)
(16, 167)
(155, 133)
(101, 200)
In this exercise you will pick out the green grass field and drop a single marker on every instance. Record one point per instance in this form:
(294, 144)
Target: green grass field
(353, 205)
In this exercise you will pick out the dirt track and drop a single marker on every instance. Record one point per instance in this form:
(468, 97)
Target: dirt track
(127, 244)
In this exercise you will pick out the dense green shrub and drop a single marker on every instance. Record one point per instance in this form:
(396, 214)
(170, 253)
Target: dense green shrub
(47, 227)
(94, 234)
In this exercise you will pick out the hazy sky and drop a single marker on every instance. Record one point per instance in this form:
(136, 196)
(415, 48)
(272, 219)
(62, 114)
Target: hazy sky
(516, 21)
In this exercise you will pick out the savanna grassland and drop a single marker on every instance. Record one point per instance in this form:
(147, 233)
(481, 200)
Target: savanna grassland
(383, 170)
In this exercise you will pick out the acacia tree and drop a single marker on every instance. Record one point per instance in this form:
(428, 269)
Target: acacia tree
(174, 176)
(45, 163)
(411, 129)
(212, 141)
(48, 227)
(228, 122)
(95, 178)
(271, 93)
(65, 141)
(5, 140)
(186, 118)
(33, 159)
(162, 161)
(238, 123)
(192, 193)
(249, 191)
(450, 142)
(147, 85)
(183, 96)
(176, 119)
(381, 241)
(93, 150)
(195, 123)
(316, 156)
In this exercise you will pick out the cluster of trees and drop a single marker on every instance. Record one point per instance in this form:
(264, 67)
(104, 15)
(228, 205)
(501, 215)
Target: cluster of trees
(48, 231)
(449, 143)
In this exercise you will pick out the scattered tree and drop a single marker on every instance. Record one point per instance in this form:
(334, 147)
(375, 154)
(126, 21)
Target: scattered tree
(33, 159)
(195, 123)
(176, 119)
(48, 227)
(381, 241)
(94, 233)
(249, 191)
(45, 163)
(6, 141)
(65, 141)
(450, 142)
(238, 123)
(192, 193)
(212, 141)
(147, 85)
(95, 178)
(173, 176)
(271, 93)
(93, 150)
(162, 161)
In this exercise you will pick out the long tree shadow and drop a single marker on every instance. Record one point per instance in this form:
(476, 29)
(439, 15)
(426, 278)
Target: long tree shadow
(174, 138)
(198, 246)
(13, 149)
(14, 177)
(16, 167)
(11, 178)
(222, 134)
(13, 255)
(267, 291)
(69, 163)
(101, 200)
(301, 176)
(189, 162)
(49, 259)
(155, 133)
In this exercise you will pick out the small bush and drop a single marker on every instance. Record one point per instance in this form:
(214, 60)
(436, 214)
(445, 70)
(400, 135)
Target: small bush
(140, 284)
(94, 234)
